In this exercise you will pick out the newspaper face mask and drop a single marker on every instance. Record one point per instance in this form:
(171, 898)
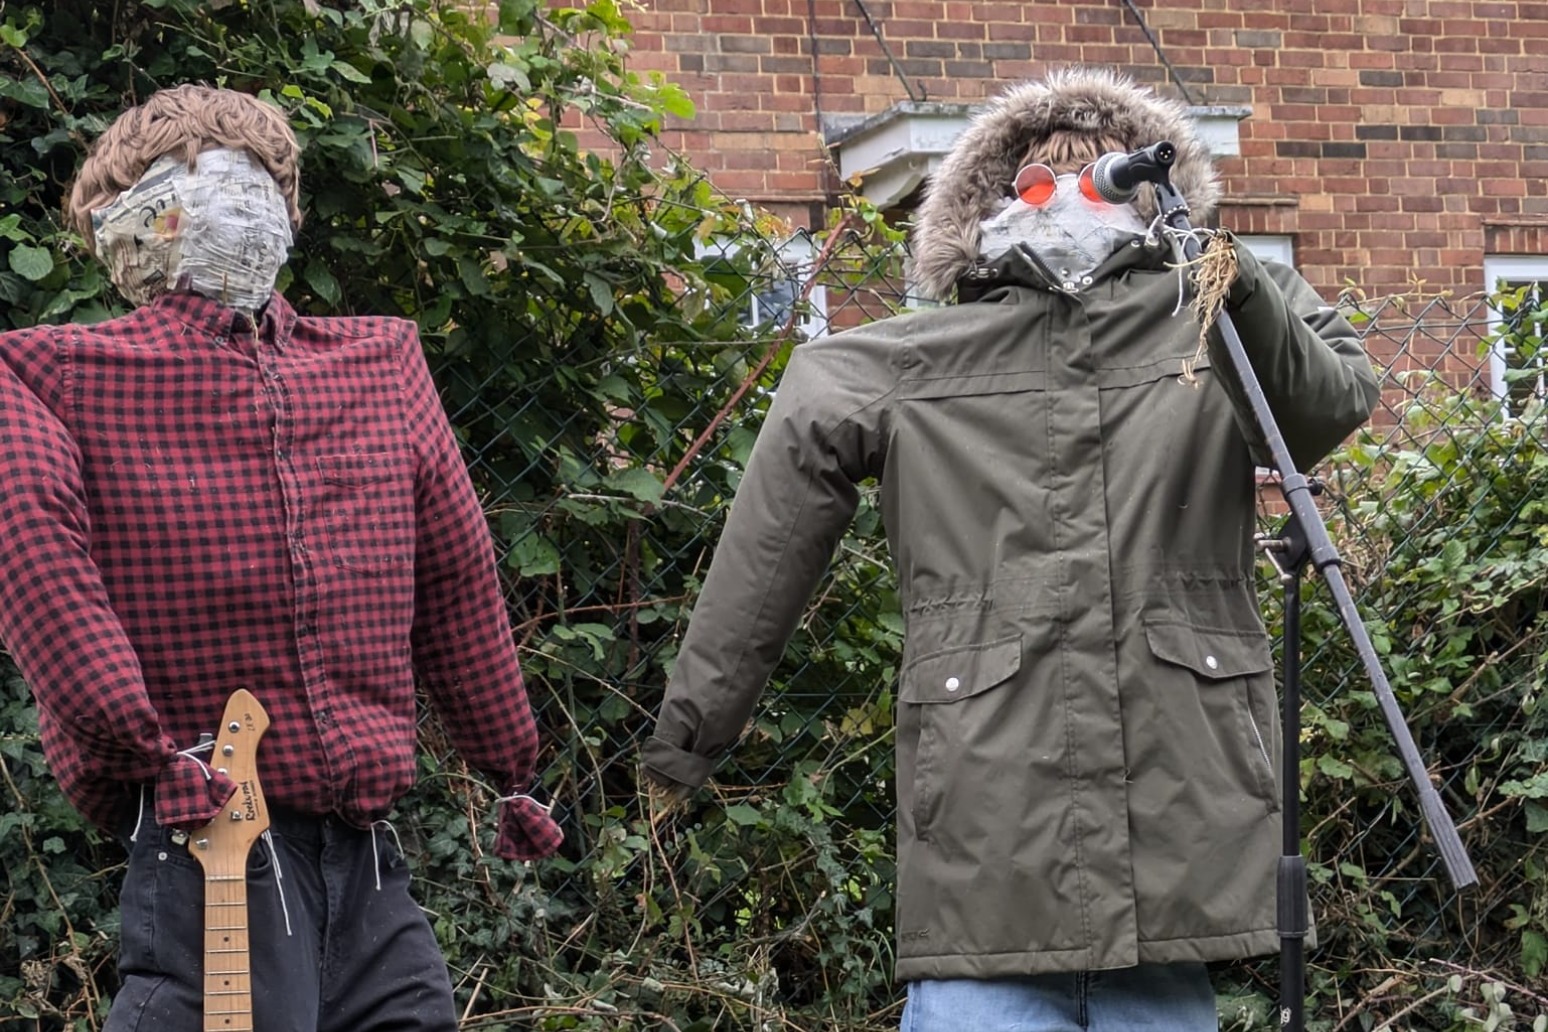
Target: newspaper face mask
(1069, 231)
(221, 230)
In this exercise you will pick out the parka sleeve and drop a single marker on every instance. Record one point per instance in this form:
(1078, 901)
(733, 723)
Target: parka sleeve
(824, 433)
(1308, 358)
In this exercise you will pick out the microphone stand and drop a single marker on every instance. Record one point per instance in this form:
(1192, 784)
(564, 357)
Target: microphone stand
(1304, 541)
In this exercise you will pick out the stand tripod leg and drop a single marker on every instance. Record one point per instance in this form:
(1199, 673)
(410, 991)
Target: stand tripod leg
(1293, 908)
(1289, 555)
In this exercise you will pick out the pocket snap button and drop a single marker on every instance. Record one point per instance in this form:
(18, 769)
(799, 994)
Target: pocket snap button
(952, 684)
(1211, 662)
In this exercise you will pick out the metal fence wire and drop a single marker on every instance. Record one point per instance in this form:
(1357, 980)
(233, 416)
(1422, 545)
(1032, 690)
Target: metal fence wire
(765, 902)
(773, 888)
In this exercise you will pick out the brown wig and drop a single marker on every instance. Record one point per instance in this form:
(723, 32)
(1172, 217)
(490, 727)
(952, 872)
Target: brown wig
(1070, 150)
(184, 121)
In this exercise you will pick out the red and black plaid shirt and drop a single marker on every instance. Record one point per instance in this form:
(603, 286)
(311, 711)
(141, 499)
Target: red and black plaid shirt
(190, 504)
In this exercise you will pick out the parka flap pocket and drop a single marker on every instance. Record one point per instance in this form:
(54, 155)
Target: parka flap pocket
(1209, 653)
(961, 672)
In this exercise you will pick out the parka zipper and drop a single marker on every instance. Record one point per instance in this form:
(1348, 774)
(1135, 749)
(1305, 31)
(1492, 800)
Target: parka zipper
(1054, 282)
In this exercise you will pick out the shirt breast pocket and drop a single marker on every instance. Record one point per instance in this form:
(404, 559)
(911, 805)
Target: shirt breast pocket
(367, 506)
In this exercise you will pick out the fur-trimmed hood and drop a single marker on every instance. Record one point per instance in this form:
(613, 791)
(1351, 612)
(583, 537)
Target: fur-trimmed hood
(975, 179)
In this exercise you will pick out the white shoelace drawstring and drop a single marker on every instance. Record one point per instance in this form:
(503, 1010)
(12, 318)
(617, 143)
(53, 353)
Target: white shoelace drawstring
(201, 747)
(376, 861)
(547, 807)
(134, 836)
(139, 817)
(279, 879)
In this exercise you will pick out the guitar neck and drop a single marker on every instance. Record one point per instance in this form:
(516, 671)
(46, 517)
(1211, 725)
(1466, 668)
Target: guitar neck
(228, 982)
(221, 847)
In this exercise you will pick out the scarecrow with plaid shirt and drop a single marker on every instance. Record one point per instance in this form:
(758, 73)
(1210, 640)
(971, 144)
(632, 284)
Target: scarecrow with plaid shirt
(214, 493)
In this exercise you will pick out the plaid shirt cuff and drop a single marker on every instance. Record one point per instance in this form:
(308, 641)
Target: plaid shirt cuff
(189, 794)
(527, 832)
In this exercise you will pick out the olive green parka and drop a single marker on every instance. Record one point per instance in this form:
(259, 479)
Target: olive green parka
(1087, 736)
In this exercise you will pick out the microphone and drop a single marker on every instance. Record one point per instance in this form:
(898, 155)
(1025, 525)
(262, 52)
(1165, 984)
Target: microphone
(1117, 177)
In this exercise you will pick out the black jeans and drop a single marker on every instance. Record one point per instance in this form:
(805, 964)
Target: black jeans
(356, 958)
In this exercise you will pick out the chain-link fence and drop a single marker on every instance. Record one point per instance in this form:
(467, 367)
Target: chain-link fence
(767, 902)
(770, 898)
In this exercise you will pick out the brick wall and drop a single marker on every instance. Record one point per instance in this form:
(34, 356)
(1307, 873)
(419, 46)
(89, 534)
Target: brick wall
(1393, 140)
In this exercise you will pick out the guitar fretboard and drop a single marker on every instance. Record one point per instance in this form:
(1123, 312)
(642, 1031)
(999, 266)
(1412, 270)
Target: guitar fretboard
(228, 982)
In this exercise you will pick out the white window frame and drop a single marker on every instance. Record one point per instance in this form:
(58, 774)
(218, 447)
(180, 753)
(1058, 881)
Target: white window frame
(1277, 247)
(1516, 269)
(797, 258)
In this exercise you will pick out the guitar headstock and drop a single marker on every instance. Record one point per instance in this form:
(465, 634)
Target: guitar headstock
(223, 844)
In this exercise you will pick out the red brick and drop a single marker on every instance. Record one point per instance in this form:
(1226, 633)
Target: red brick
(1409, 200)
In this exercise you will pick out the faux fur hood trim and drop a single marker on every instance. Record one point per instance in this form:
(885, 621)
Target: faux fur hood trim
(975, 178)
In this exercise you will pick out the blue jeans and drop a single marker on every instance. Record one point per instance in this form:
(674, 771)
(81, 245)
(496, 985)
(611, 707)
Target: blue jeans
(1148, 998)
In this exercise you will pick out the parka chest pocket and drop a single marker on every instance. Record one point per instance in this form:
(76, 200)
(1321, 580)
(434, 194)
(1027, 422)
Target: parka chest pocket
(950, 687)
(366, 503)
(1232, 672)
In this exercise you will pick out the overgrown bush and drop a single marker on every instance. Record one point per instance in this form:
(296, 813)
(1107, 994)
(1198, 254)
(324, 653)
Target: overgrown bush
(1442, 524)
(587, 312)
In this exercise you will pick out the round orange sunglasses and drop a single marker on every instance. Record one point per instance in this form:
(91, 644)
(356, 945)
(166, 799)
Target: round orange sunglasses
(1036, 184)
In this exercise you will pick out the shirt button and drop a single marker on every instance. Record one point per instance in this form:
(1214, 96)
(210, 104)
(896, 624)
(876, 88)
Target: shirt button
(952, 684)
(1211, 662)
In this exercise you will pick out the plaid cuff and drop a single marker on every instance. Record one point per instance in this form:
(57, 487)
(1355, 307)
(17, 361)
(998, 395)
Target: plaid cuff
(189, 794)
(527, 832)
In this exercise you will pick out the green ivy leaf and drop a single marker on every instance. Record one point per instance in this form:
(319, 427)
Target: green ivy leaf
(321, 279)
(31, 262)
(1534, 952)
(743, 815)
(1335, 768)
(641, 483)
(534, 556)
(601, 293)
(350, 72)
(507, 76)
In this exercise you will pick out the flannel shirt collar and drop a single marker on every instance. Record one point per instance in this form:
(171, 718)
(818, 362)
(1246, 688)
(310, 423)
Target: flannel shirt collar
(275, 323)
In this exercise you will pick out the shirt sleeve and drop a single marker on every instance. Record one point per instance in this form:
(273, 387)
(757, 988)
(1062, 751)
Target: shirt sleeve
(99, 729)
(464, 651)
